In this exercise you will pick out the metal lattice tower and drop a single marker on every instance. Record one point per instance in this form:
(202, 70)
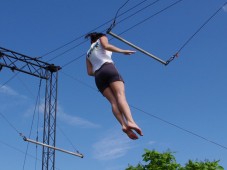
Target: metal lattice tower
(37, 68)
(49, 131)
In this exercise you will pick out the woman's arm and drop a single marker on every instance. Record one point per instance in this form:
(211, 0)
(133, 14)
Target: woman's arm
(110, 47)
(89, 68)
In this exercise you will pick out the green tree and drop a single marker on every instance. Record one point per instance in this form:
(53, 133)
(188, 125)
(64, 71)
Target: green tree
(166, 161)
(206, 165)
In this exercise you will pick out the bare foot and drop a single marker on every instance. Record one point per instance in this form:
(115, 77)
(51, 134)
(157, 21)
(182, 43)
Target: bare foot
(133, 126)
(130, 134)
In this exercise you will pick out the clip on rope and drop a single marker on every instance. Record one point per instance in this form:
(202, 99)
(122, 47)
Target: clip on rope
(176, 55)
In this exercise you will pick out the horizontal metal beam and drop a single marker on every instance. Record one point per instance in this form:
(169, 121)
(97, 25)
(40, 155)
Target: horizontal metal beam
(25, 64)
(4, 50)
(52, 147)
(136, 47)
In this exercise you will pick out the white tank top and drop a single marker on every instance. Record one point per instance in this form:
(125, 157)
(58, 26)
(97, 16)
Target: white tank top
(97, 55)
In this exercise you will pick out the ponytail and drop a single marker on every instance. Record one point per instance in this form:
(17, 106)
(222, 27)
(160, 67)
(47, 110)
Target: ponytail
(94, 36)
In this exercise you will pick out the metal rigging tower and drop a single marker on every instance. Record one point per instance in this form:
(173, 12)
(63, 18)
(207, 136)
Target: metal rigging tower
(49, 72)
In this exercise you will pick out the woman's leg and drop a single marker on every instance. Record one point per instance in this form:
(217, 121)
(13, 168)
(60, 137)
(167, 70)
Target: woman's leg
(117, 113)
(118, 90)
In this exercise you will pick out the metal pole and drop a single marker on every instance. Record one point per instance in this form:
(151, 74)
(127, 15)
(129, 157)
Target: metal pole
(52, 147)
(138, 48)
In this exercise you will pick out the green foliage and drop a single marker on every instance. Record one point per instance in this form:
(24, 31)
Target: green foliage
(166, 161)
(157, 161)
(207, 165)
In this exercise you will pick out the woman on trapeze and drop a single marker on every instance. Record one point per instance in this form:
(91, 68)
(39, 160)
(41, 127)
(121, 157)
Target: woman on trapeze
(109, 81)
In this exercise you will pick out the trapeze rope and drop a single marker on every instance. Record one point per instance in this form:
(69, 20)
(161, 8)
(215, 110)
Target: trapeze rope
(39, 143)
(201, 27)
(151, 55)
(136, 47)
(64, 45)
(71, 61)
(66, 51)
(33, 117)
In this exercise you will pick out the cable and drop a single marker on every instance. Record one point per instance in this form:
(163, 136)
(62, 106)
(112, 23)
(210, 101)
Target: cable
(70, 62)
(11, 78)
(151, 4)
(178, 127)
(62, 46)
(37, 100)
(120, 9)
(79, 38)
(2, 85)
(37, 133)
(114, 20)
(18, 150)
(85, 34)
(134, 25)
(67, 138)
(160, 119)
(190, 38)
(200, 28)
(153, 15)
(81, 82)
(67, 50)
(37, 108)
(10, 124)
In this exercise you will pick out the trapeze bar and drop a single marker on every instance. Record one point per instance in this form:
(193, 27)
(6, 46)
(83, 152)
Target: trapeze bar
(138, 48)
(52, 147)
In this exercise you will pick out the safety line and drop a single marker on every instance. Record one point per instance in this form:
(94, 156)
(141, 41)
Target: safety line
(104, 31)
(18, 150)
(107, 22)
(66, 51)
(158, 118)
(153, 15)
(67, 138)
(15, 75)
(190, 38)
(9, 123)
(130, 29)
(77, 45)
(114, 20)
(138, 48)
(12, 126)
(2, 85)
(120, 9)
(202, 26)
(80, 81)
(151, 4)
(33, 117)
(183, 129)
(71, 61)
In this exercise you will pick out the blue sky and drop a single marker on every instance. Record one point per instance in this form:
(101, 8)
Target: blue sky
(190, 92)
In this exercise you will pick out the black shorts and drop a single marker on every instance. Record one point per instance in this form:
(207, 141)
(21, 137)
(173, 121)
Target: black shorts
(106, 75)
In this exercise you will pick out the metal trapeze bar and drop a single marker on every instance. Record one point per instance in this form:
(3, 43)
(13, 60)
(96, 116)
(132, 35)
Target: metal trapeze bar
(52, 147)
(138, 48)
